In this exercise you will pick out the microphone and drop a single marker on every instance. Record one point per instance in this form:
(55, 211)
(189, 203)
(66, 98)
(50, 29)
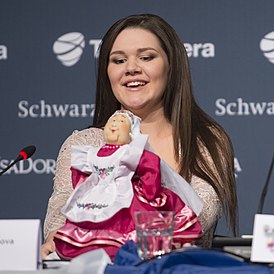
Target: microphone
(24, 154)
(264, 191)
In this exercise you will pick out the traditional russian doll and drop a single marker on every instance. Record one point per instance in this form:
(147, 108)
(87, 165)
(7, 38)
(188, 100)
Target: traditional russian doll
(112, 182)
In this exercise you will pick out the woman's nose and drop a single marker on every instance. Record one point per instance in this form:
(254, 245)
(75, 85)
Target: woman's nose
(132, 67)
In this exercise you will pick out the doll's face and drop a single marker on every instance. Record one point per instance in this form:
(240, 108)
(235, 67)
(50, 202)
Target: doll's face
(117, 130)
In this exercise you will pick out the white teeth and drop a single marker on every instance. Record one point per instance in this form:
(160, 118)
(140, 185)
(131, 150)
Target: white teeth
(135, 84)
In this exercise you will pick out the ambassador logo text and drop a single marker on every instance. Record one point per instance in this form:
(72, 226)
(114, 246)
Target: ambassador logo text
(37, 166)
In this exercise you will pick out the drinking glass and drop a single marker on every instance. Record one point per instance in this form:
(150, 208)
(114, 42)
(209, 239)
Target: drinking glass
(154, 232)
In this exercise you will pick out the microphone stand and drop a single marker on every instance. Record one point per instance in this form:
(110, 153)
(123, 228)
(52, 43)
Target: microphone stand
(264, 191)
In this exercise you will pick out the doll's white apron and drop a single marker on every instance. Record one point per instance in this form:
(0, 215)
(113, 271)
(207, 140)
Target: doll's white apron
(108, 189)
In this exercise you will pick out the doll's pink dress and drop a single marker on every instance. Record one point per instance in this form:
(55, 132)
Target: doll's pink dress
(109, 186)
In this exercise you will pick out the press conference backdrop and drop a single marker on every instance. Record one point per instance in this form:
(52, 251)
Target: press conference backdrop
(47, 83)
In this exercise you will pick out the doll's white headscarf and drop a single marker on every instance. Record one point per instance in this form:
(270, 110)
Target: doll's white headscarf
(135, 122)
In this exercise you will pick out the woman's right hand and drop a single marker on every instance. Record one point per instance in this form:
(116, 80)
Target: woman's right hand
(49, 246)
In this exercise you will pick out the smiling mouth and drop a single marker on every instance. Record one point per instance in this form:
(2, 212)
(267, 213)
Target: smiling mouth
(135, 84)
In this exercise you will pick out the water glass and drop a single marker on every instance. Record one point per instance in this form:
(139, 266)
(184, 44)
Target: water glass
(154, 232)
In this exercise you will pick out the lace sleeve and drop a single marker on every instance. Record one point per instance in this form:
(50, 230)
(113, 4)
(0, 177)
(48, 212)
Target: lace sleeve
(212, 207)
(211, 211)
(62, 187)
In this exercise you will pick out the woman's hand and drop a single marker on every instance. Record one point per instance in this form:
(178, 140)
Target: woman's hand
(49, 246)
(188, 245)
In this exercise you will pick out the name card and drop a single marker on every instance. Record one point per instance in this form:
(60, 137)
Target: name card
(20, 243)
(262, 250)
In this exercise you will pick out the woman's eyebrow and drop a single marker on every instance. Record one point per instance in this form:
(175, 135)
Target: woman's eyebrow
(138, 50)
(117, 52)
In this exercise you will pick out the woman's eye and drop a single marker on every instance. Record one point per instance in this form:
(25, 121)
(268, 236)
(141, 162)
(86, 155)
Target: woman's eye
(147, 58)
(118, 61)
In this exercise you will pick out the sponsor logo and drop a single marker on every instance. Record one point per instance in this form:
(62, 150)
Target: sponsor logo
(37, 166)
(96, 44)
(3, 52)
(267, 46)
(237, 167)
(206, 50)
(243, 108)
(69, 47)
(42, 109)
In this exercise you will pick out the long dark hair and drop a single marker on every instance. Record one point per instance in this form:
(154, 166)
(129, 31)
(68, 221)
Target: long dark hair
(193, 129)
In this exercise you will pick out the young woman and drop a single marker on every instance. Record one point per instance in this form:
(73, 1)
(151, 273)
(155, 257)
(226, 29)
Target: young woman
(143, 67)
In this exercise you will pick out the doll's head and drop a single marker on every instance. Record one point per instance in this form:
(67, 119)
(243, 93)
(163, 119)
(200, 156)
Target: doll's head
(121, 127)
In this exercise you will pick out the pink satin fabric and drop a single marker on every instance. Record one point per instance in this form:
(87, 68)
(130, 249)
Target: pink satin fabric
(74, 239)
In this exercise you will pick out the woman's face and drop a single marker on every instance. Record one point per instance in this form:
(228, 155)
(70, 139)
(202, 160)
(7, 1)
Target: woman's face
(117, 129)
(138, 70)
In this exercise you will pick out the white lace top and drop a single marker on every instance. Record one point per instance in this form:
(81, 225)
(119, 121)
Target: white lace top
(62, 188)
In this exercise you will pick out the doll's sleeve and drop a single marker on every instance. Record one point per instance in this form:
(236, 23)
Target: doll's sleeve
(80, 157)
(147, 178)
(77, 176)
